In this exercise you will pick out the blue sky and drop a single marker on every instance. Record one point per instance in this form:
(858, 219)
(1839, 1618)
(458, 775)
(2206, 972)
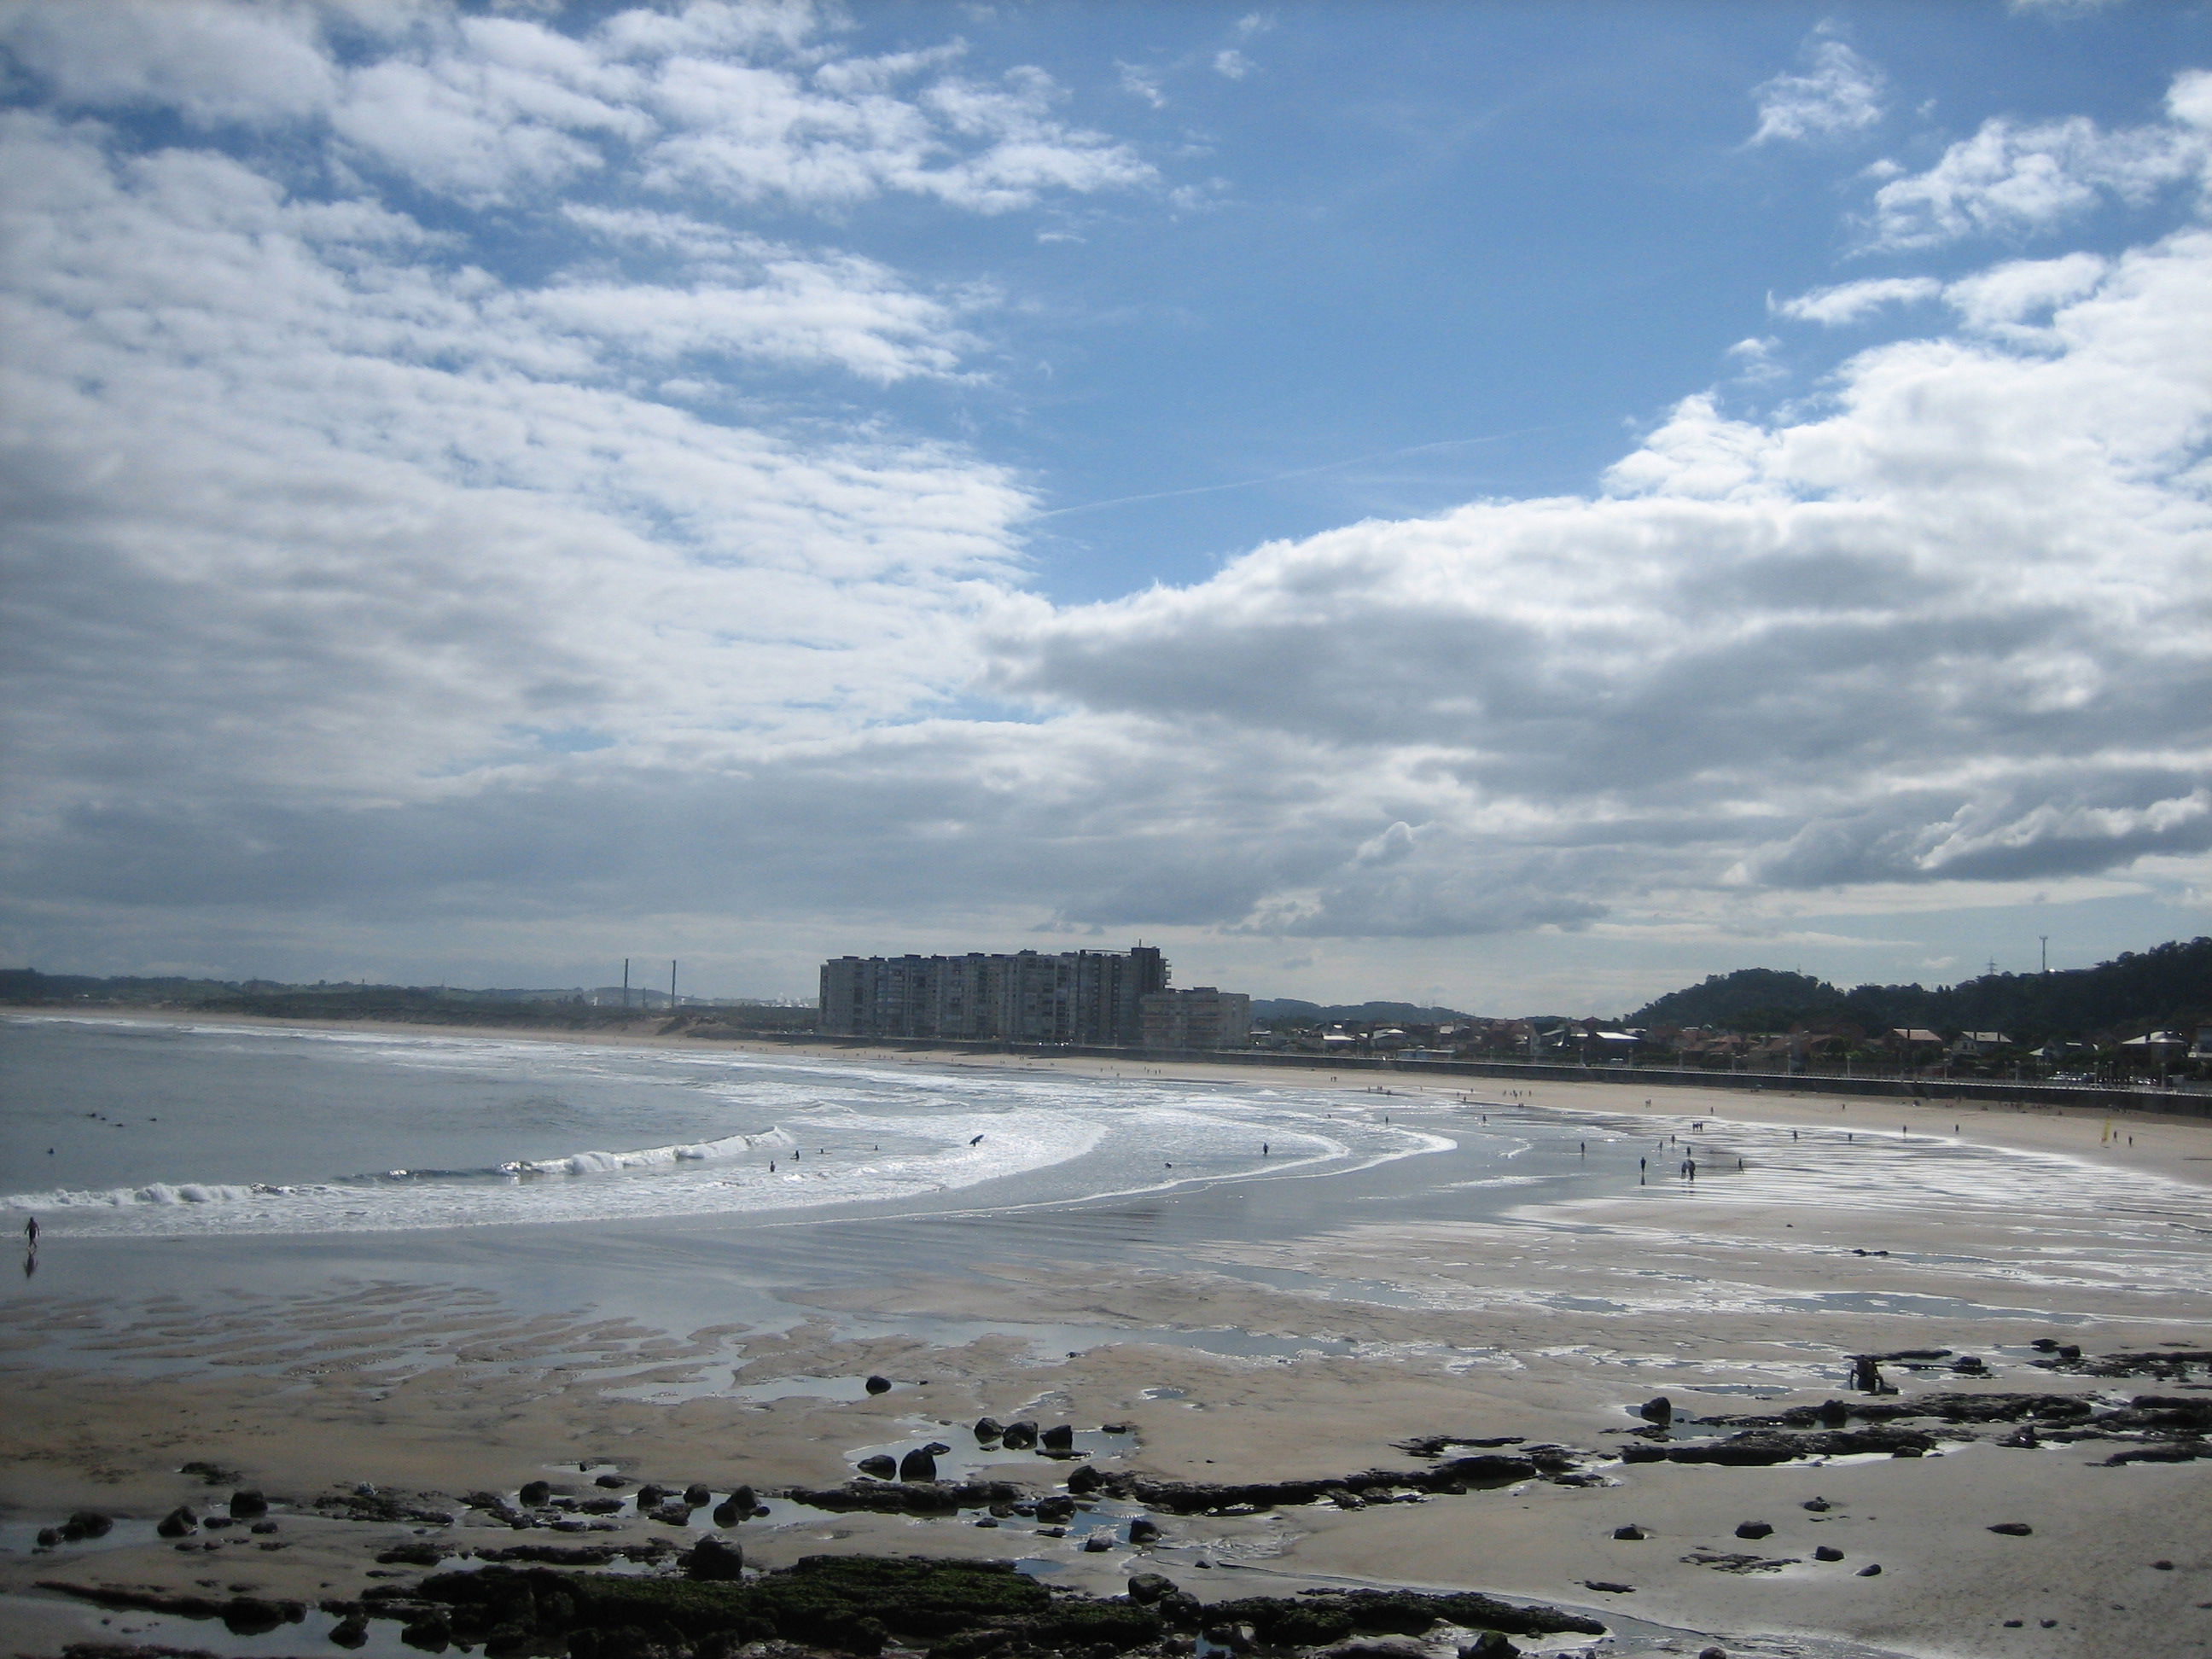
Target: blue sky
(1509, 505)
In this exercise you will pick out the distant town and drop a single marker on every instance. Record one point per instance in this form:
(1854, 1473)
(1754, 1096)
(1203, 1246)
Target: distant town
(2143, 1017)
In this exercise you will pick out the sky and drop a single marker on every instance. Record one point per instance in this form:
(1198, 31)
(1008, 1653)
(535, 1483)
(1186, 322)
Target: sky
(1515, 507)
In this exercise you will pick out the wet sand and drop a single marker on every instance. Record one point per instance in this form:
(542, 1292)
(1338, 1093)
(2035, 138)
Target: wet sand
(1373, 1325)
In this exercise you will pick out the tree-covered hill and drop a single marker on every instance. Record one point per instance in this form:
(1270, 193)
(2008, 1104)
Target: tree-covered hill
(2169, 985)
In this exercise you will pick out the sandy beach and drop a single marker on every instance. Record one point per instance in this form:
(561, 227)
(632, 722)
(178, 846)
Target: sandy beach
(1544, 1325)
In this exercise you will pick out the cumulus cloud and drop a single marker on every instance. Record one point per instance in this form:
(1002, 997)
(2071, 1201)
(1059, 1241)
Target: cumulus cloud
(2018, 179)
(1839, 92)
(1847, 302)
(1924, 634)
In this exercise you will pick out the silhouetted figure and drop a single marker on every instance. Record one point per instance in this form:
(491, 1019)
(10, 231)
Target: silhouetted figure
(31, 1232)
(977, 1141)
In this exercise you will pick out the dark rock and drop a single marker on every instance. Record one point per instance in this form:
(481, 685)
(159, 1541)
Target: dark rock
(1870, 1570)
(534, 1493)
(216, 1522)
(1818, 1506)
(1658, 1409)
(2024, 1438)
(1059, 1438)
(650, 1495)
(87, 1523)
(1608, 1587)
(989, 1429)
(1097, 1543)
(1761, 1448)
(729, 1512)
(247, 1504)
(879, 1385)
(716, 1560)
(1084, 1479)
(1722, 1561)
(177, 1522)
(1142, 1531)
(1146, 1587)
(432, 1632)
(672, 1513)
(1834, 1414)
(2012, 1528)
(1018, 1437)
(882, 1465)
(1827, 1553)
(1630, 1533)
(1359, 1647)
(597, 1506)
(697, 1495)
(917, 1465)
(1969, 1362)
(2162, 1566)
(48, 1537)
(215, 1475)
(612, 1482)
(411, 1555)
(1056, 1511)
(937, 1448)
(350, 1631)
(1755, 1529)
(250, 1615)
(1490, 1644)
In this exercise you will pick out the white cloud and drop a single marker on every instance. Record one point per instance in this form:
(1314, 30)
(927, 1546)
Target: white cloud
(2008, 293)
(1839, 92)
(2015, 178)
(1232, 64)
(1847, 302)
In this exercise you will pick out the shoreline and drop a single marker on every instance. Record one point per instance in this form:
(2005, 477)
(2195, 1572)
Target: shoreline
(1370, 1327)
(2177, 1148)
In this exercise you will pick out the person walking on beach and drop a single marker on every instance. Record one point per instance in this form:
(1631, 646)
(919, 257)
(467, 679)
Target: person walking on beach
(31, 1233)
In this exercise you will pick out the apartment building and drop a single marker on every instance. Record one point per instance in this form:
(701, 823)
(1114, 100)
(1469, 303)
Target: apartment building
(1092, 998)
(1200, 1017)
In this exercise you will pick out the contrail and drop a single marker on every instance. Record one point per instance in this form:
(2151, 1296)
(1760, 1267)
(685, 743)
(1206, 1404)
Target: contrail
(1304, 472)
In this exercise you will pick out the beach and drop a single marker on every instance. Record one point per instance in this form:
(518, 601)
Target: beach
(1477, 1263)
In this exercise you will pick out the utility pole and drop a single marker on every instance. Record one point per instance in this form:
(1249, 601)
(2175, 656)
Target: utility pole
(625, 981)
(671, 984)
(2045, 938)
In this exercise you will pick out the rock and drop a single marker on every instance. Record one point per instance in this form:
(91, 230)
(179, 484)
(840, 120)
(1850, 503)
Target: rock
(1970, 1363)
(249, 1615)
(1056, 1511)
(2012, 1528)
(247, 1504)
(1827, 1553)
(87, 1523)
(1630, 1533)
(534, 1493)
(1608, 1587)
(729, 1513)
(1018, 1437)
(1834, 1413)
(1348, 1500)
(1059, 1438)
(1490, 1644)
(411, 1555)
(1097, 1543)
(612, 1482)
(1870, 1570)
(716, 1560)
(1084, 1478)
(1658, 1409)
(1371, 1647)
(937, 1448)
(649, 1496)
(989, 1429)
(917, 1465)
(1713, 1653)
(177, 1522)
(1116, 1428)
(1142, 1531)
(2023, 1439)
(882, 1465)
(2162, 1566)
(2069, 1351)
(49, 1536)
(879, 1385)
(697, 1495)
(433, 1633)
(1146, 1587)
(1755, 1529)
(350, 1631)
(674, 1512)
(1818, 1506)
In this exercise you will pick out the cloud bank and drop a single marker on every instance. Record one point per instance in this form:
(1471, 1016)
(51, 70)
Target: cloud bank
(438, 506)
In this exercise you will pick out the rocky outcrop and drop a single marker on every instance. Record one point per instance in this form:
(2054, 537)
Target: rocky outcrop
(1760, 1448)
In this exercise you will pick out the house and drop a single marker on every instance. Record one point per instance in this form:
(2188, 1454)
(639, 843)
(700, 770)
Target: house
(1974, 1045)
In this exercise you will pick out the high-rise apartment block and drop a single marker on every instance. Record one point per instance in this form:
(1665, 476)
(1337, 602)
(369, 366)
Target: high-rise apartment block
(1200, 1017)
(1093, 998)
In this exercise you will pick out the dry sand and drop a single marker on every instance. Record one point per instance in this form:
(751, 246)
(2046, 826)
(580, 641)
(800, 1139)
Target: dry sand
(433, 1389)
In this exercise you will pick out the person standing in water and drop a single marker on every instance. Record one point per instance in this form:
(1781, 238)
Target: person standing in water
(31, 1233)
